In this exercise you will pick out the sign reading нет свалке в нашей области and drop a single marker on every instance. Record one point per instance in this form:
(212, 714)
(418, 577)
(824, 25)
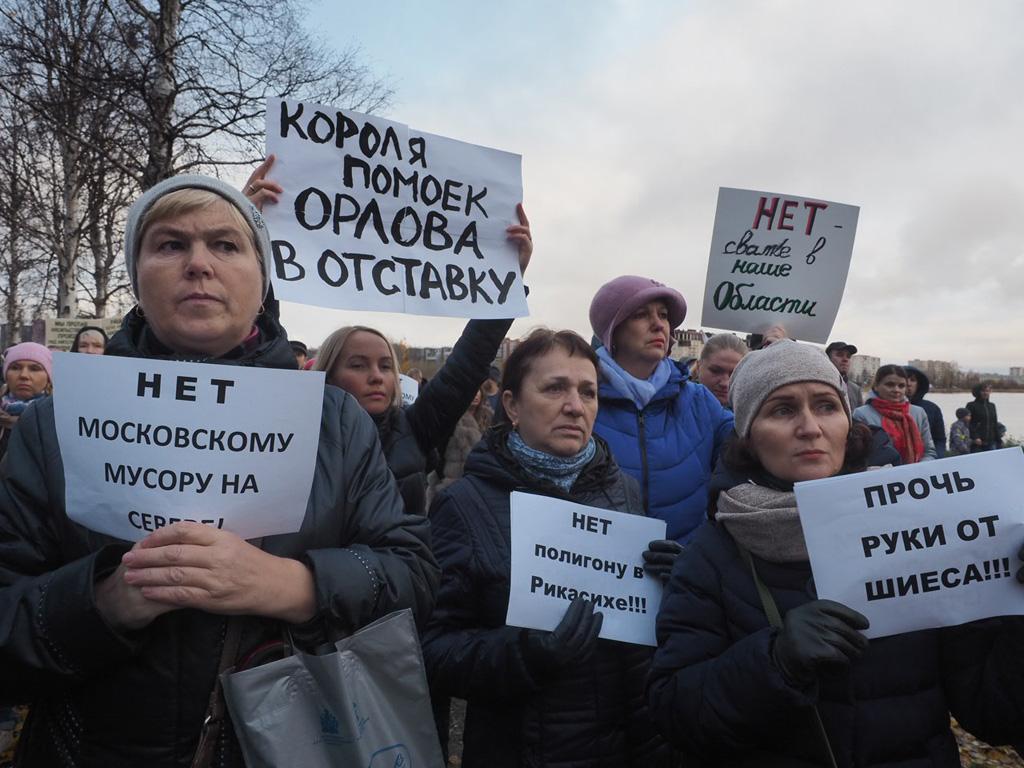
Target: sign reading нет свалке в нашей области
(229, 446)
(778, 260)
(376, 215)
(924, 545)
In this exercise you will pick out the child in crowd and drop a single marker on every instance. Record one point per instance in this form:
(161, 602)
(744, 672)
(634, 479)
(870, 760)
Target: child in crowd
(960, 433)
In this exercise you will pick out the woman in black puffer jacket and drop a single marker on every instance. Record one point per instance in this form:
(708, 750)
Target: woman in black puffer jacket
(729, 689)
(561, 698)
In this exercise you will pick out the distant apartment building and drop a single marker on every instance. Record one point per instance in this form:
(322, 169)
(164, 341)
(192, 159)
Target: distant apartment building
(942, 374)
(862, 369)
(688, 343)
(1017, 374)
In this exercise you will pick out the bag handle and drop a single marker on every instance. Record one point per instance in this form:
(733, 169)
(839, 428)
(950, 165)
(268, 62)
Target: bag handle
(216, 708)
(771, 610)
(213, 723)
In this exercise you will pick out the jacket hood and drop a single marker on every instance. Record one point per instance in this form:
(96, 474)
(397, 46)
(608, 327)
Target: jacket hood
(270, 349)
(923, 384)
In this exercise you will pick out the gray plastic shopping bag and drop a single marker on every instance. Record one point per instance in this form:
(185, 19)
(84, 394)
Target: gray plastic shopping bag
(364, 705)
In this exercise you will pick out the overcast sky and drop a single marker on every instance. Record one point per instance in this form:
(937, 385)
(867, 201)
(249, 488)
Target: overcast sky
(631, 115)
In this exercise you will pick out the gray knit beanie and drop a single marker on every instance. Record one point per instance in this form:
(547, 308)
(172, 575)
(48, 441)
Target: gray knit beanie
(785, 362)
(137, 213)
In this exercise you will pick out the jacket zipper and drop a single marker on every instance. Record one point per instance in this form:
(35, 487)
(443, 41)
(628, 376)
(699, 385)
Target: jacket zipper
(643, 460)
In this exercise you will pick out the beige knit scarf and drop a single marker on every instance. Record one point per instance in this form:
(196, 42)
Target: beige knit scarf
(764, 521)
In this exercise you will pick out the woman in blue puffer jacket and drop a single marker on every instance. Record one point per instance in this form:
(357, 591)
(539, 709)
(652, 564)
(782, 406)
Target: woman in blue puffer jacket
(663, 429)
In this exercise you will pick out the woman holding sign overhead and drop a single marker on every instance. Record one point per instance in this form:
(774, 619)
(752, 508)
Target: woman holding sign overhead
(117, 647)
(534, 698)
(752, 669)
(362, 361)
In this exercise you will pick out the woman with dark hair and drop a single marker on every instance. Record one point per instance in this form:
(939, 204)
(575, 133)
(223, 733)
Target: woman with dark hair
(888, 407)
(534, 698)
(117, 647)
(664, 430)
(729, 688)
(90, 340)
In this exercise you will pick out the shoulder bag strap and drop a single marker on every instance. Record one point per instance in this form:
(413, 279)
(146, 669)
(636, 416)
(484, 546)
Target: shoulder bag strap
(771, 610)
(213, 723)
(216, 708)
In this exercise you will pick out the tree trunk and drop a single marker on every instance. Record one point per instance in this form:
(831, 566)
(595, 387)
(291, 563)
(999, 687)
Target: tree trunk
(162, 93)
(70, 235)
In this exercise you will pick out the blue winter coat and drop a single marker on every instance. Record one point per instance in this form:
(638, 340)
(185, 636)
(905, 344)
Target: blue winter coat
(670, 447)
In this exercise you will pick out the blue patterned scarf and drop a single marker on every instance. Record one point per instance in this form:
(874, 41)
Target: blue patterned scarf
(13, 406)
(559, 470)
(640, 391)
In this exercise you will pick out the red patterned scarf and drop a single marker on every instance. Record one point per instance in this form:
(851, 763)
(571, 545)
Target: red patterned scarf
(901, 428)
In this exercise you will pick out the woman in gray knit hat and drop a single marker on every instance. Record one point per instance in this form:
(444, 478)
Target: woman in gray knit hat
(117, 647)
(729, 686)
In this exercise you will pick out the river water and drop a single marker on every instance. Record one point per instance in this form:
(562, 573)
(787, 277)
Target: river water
(1009, 408)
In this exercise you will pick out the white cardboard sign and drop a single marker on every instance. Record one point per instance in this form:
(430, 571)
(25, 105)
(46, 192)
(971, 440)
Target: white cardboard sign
(380, 216)
(562, 550)
(229, 446)
(920, 546)
(410, 389)
(778, 260)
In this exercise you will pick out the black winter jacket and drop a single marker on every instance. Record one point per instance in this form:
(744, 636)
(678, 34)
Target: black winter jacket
(413, 438)
(936, 423)
(104, 698)
(591, 714)
(984, 423)
(715, 691)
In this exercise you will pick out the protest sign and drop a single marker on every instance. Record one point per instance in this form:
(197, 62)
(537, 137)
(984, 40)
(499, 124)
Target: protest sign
(924, 545)
(778, 260)
(410, 389)
(228, 446)
(60, 331)
(562, 550)
(377, 215)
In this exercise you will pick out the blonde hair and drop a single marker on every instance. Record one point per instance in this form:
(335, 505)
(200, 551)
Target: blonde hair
(334, 345)
(721, 341)
(185, 201)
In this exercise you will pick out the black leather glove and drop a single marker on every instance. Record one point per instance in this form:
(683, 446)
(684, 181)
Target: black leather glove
(816, 633)
(573, 640)
(660, 556)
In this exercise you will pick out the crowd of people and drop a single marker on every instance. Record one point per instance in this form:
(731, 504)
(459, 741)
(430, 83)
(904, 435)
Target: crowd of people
(115, 648)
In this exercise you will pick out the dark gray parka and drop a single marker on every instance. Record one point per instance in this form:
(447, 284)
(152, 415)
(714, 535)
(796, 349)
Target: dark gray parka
(100, 697)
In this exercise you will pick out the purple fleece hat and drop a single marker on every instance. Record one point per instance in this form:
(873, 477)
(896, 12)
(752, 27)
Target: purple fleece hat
(29, 350)
(619, 298)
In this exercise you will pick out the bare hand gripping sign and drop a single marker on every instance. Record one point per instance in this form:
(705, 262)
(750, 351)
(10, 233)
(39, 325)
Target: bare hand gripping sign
(778, 260)
(226, 446)
(920, 546)
(376, 215)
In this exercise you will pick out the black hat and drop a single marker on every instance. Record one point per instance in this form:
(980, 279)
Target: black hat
(299, 348)
(835, 345)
